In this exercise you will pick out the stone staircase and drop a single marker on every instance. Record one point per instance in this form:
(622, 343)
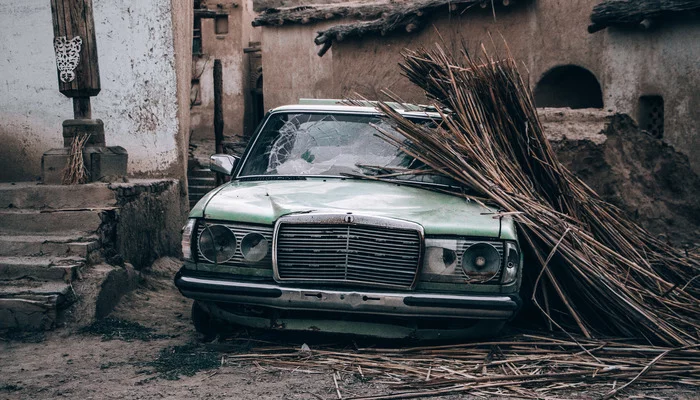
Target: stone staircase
(200, 181)
(48, 236)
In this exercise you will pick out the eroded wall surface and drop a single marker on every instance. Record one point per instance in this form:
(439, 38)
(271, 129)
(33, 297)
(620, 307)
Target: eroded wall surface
(292, 69)
(139, 98)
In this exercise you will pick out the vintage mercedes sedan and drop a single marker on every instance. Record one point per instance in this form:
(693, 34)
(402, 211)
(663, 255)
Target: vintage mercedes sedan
(306, 238)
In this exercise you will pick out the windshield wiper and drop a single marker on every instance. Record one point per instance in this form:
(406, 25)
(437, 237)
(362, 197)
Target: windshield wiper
(272, 178)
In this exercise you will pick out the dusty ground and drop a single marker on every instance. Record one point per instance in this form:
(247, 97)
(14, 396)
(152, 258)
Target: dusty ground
(150, 351)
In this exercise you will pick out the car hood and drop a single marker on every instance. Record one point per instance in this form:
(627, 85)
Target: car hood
(263, 202)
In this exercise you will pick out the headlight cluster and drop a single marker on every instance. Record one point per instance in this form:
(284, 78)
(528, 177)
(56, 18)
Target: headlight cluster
(459, 260)
(219, 244)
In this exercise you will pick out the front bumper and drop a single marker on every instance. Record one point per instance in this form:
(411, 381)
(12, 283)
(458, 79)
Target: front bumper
(398, 304)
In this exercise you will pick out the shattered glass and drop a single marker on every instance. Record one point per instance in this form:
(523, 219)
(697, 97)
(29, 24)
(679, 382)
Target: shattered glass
(313, 144)
(321, 144)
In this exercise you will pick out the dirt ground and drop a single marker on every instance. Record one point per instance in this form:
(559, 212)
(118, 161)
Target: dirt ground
(149, 350)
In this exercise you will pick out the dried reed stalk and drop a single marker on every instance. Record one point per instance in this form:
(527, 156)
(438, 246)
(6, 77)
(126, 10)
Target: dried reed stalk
(609, 276)
(522, 366)
(75, 172)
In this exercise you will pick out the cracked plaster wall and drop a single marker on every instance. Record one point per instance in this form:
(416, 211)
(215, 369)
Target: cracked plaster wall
(139, 69)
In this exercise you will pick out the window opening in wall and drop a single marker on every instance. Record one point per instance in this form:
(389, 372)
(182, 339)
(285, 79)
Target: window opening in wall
(569, 86)
(651, 115)
(221, 24)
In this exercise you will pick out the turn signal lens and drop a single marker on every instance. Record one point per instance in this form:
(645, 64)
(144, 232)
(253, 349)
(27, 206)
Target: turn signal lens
(510, 272)
(186, 243)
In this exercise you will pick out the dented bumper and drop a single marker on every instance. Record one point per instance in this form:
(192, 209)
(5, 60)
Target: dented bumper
(396, 304)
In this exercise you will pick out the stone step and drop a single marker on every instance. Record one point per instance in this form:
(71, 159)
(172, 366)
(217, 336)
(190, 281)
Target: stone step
(201, 189)
(37, 196)
(64, 269)
(30, 305)
(201, 181)
(48, 245)
(200, 173)
(51, 221)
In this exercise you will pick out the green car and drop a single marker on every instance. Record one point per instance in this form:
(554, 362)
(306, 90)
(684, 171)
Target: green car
(305, 237)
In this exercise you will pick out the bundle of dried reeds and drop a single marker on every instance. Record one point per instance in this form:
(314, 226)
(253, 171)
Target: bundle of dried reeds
(603, 273)
(523, 366)
(75, 172)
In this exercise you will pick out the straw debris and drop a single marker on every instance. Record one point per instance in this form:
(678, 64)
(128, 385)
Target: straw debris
(75, 172)
(596, 272)
(523, 366)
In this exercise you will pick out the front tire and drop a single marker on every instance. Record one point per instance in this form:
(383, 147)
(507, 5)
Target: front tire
(203, 322)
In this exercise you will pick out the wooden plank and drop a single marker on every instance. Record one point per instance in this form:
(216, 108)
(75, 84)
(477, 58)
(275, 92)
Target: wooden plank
(72, 18)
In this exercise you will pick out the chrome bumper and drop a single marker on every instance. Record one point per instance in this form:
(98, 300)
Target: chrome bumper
(365, 302)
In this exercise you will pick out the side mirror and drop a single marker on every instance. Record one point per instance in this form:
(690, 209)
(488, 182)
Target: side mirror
(223, 163)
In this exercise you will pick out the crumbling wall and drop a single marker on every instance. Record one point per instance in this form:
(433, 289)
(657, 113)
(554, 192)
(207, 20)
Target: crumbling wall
(147, 225)
(645, 177)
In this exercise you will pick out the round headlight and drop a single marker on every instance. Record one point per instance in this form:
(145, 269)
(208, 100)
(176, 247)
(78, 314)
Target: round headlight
(481, 262)
(254, 247)
(217, 243)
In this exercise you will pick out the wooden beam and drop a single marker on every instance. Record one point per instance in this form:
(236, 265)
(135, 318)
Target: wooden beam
(76, 48)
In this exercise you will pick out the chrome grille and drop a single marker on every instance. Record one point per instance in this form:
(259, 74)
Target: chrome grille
(240, 230)
(348, 253)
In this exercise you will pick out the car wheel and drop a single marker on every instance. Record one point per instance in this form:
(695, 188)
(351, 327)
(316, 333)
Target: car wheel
(203, 322)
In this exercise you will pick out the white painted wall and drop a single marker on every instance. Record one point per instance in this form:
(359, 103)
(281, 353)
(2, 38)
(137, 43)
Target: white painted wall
(138, 101)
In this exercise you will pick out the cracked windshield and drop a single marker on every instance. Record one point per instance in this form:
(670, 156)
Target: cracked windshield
(325, 144)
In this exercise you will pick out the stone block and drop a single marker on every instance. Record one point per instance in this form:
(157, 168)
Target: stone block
(106, 163)
(26, 315)
(102, 163)
(53, 162)
(93, 127)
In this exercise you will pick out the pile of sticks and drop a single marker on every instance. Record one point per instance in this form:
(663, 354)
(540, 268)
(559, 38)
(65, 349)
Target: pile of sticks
(594, 270)
(523, 366)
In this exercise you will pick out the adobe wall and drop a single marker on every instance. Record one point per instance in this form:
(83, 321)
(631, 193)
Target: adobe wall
(229, 49)
(141, 70)
(292, 70)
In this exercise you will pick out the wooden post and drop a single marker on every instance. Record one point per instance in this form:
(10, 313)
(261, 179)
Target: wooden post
(82, 108)
(218, 115)
(76, 48)
(218, 107)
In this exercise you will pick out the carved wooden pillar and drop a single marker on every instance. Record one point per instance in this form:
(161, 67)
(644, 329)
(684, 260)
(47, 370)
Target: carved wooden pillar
(78, 75)
(77, 66)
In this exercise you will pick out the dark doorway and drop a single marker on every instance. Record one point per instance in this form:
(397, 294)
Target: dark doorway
(569, 86)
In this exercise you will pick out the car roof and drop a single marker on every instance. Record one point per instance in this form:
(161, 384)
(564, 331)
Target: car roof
(334, 106)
